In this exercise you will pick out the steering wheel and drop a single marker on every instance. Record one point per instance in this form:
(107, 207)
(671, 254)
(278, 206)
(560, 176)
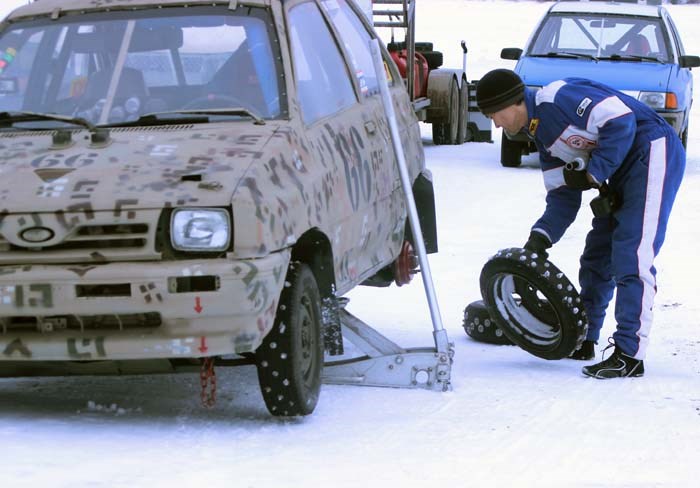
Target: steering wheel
(213, 100)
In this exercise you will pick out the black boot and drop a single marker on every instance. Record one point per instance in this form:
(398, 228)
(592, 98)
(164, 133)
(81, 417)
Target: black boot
(618, 365)
(585, 352)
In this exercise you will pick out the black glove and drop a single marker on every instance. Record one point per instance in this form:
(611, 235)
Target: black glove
(577, 180)
(538, 243)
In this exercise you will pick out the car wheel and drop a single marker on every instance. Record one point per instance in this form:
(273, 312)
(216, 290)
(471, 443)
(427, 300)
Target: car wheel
(290, 359)
(684, 138)
(446, 132)
(534, 301)
(511, 152)
(479, 325)
(551, 339)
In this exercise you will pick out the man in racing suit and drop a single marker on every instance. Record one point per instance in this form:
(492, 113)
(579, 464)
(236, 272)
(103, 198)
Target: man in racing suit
(620, 146)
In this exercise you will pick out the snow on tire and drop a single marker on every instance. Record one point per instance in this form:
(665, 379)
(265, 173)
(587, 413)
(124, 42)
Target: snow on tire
(479, 325)
(552, 335)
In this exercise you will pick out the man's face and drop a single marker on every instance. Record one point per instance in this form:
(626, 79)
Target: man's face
(512, 118)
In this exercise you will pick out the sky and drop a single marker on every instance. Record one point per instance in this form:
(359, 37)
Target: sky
(511, 419)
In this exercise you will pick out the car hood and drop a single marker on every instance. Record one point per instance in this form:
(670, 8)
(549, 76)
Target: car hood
(143, 167)
(621, 75)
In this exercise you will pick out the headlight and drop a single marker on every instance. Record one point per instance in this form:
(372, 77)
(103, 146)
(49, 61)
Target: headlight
(206, 229)
(656, 100)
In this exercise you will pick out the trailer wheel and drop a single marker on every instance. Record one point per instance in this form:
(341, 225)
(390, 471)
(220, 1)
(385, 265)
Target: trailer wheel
(463, 125)
(290, 359)
(550, 339)
(446, 132)
(511, 152)
(479, 325)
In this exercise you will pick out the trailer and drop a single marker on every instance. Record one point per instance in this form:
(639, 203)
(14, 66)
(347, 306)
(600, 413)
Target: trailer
(442, 97)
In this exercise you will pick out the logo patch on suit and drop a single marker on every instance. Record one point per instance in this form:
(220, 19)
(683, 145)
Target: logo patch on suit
(581, 109)
(579, 142)
(533, 126)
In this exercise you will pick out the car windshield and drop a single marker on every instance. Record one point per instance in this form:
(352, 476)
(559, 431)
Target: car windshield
(116, 67)
(598, 36)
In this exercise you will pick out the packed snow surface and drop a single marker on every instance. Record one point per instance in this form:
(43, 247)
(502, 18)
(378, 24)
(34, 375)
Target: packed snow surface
(511, 420)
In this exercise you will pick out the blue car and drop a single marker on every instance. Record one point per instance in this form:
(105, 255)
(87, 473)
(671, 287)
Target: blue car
(631, 47)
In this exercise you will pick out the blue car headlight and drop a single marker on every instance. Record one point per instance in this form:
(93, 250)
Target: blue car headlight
(656, 100)
(200, 229)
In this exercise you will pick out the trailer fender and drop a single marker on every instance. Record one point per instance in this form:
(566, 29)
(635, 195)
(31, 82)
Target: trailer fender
(439, 81)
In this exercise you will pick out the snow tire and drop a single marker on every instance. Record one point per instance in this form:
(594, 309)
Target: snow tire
(554, 333)
(479, 325)
(290, 359)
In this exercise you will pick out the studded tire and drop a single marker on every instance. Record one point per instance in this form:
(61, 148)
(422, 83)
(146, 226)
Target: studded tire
(290, 359)
(551, 335)
(479, 325)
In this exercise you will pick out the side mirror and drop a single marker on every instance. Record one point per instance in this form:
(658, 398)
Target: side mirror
(689, 61)
(513, 53)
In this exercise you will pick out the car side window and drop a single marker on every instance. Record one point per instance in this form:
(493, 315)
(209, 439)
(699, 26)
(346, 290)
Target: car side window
(322, 79)
(356, 39)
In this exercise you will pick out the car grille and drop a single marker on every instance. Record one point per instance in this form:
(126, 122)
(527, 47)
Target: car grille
(82, 323)
(105, 237)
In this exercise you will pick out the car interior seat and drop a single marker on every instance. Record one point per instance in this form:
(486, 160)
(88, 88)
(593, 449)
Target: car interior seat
(131, 84)
(638, 46)
(237, 77)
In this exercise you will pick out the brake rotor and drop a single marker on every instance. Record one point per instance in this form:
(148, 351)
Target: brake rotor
(405, 265)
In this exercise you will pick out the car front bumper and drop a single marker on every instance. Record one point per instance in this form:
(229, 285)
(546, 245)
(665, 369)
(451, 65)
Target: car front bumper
(133, 310)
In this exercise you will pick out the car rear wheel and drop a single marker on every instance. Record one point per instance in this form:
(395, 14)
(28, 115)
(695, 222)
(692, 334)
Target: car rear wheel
(290, 359)
(511, 152)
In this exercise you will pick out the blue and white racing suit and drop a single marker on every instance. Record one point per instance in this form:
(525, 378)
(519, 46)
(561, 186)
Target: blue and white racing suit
(642, 159)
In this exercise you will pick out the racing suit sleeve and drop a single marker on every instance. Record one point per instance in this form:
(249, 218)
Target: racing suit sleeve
(616, 126)
(562, 202)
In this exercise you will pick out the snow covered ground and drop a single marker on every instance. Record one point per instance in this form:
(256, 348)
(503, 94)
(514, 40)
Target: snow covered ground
(511, 420)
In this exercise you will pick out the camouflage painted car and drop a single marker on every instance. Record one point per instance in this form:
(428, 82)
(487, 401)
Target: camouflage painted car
(195, 179)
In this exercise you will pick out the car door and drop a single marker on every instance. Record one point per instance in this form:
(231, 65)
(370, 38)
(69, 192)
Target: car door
(343, 136)
(381, 174)
(681, 79)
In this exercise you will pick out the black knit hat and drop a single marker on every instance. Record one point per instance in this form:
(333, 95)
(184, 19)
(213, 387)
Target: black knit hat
(498, 89)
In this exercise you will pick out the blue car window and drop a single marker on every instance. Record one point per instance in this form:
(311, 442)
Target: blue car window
(601, 36)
